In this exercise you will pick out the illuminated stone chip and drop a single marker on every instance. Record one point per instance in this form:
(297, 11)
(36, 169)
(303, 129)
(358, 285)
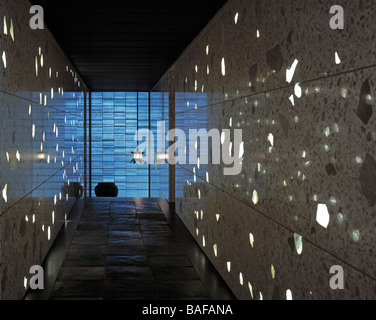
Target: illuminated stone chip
(298, 90)
(251, 239)
(223, 137)
(250, 289)
(291, 98)
(271, 139)
(322, 215)
(223, 67)
(215, 249)
(336, 58)
(255, 198)
(36, 66)
(291, 71)
(11, 30)
(241, 150)
(272, 271)
(5, 25)
(298, 240)
(5, 190)
(4, 57)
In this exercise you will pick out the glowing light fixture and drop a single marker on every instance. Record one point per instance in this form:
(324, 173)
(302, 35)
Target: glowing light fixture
(41, 156)
(137, 157)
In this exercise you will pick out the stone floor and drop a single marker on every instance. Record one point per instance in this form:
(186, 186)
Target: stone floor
(125, 249)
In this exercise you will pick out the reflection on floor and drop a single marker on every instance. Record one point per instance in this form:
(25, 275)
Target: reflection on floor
(126, 249)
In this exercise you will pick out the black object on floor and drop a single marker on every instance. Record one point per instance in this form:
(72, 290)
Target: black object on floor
(106, 189)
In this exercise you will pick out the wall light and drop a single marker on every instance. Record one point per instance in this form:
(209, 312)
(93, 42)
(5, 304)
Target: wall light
(41, 156)
(137, 157)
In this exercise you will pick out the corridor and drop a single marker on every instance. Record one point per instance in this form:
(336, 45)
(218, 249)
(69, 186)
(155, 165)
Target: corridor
(237, 138)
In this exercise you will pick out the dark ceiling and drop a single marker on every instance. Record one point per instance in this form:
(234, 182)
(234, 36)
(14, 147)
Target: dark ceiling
(125, 45)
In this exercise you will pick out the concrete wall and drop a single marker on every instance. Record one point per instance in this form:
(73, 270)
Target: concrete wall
(41, 144)
(305, 197)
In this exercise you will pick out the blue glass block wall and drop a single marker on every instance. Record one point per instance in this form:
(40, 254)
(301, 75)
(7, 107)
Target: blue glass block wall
(159, 175)
(116, 116)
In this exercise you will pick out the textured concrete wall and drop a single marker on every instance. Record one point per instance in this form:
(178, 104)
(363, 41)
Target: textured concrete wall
(303, 95)
(41, 144)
